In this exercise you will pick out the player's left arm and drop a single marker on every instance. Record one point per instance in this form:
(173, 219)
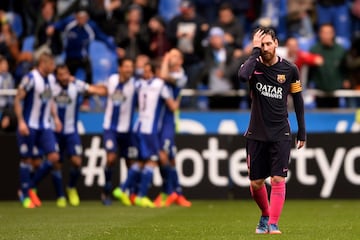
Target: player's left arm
(57, 122)
(296, 91)
(170, 102)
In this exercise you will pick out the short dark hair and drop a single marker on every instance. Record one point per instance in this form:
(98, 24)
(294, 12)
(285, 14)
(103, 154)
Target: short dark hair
(267, 31)
(60, 66)
(2, 58)
(122, 60)
(152, 66)
(226, 6)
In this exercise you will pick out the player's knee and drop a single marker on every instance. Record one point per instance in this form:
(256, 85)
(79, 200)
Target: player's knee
(76, 161)
(57, 165)
(257, 184)
(110, 159)
(53, 157)
(151, 163)
(163, 158)
(277, 179)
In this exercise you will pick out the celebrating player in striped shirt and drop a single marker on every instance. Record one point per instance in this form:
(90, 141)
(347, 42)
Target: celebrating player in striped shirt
(33, 106)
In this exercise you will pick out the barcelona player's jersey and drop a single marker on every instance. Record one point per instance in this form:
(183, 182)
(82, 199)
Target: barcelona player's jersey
(269, 90)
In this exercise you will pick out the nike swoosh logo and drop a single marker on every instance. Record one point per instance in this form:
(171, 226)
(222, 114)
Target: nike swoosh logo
(258, 73)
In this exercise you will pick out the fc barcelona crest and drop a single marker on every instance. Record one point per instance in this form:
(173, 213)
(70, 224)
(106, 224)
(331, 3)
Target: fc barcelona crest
(281, 78)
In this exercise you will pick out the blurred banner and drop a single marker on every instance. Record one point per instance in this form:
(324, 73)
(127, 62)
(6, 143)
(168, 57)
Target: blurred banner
(237, 122)
(214, 167)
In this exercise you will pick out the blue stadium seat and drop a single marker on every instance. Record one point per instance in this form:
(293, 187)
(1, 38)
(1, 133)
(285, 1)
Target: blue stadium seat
(16, 23)
(306, 43)
(103, 61)
(28, 44)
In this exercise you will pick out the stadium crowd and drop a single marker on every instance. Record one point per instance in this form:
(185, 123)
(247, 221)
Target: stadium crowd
(213, 35)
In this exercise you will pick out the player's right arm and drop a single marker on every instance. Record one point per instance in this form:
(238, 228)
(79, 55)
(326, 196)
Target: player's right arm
(99, 89)
(22, 126)
(164, 69)
(172, 104)
(246, 70)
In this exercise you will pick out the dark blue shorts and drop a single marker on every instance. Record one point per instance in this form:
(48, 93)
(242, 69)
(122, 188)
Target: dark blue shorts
(148, 146)
(38, 142)
(265, 159)
(121, 143)
(69, 144)
(167, 140)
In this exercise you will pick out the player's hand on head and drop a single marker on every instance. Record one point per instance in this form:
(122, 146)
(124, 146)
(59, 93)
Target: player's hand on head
(257, 38)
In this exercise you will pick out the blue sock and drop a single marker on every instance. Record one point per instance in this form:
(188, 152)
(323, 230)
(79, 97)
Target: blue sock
(74, 176)
(24, 173)
(175, 180)
(165, 174)
(108, 178)
(145, 181)
(132, 175)
(134, 188)
(43, 170)
(57, 181)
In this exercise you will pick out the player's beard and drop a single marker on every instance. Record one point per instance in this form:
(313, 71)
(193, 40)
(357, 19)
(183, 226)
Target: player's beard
(268, 56)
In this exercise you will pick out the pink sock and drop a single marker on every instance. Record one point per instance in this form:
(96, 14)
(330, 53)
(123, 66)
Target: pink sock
(261, 198)
(277, 199)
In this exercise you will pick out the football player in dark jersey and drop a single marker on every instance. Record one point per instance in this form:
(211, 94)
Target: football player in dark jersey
(271, 79)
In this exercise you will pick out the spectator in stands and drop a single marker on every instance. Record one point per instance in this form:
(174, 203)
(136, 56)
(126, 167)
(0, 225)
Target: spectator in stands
(14, 20)
(47, 17)
(353, 69)
(148, 8)
(66, 8)
(10, 49)
(132, 37)
(6, 82)
(355, 18)
(79, 31)
(8, 121)
(9, 44)
(303, 60)
(186, 31)
(107, 14)
(331, 75)
(300, 57)
(335, 12)
(30, 13)
(273, 14)
(168, 9)
(233, 30)
(159, 43)
(246, 11)
(220, 70)
(207, 9)
(300, 22)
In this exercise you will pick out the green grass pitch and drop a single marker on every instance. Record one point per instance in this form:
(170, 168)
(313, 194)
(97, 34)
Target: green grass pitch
(235, 219)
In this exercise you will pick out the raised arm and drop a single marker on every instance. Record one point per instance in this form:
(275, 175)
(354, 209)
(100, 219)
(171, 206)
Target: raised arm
(172, 104)
(164, 69)
(247, 69)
